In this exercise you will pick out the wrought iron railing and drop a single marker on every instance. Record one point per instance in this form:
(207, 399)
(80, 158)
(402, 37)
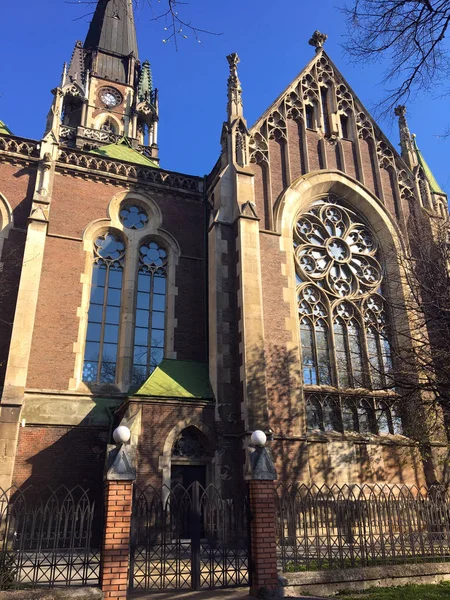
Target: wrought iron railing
(47, 538)
(188, 538)
(354, 526)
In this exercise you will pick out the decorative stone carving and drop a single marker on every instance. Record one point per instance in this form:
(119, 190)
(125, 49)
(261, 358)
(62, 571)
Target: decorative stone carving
(259, 149)
(310, 89)
(336, 251)
(234, 87)
(189, 445)
(276, 126)
(67, 133)
(294, 105)
(325, 73)
(364, 126)
(385, 155)
(317, 40)
(144, 174)
(344, 99)
(18, 146)
(101, 135)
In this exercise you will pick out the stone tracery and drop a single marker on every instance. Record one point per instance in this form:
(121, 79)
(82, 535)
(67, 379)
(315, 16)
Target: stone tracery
(342, 313)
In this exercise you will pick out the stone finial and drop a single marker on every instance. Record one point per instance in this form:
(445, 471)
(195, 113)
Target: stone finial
(318, 39)
(234, 88)
(406, 145)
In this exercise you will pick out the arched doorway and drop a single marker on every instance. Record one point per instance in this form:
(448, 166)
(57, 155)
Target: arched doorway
(190, 459)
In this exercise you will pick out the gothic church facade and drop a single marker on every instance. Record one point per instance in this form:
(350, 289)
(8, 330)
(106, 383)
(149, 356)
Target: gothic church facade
(196, 310)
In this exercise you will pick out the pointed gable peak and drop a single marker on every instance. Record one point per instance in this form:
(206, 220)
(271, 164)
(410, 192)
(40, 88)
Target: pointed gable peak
(112, 28)
(321, 99)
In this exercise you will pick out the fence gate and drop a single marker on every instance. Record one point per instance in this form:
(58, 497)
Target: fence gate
(188, 538)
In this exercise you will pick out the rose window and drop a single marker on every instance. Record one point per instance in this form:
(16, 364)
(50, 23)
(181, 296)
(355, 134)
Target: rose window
(336, 250)
(344, 332)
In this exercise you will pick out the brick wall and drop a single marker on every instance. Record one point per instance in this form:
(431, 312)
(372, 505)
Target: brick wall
(263, 536)
(158, 420)
(57, 455)
(116, 541)
(77, 202)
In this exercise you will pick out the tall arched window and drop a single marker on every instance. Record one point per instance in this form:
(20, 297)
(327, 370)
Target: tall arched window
(100, 356)
(149, 331)
(343, 320)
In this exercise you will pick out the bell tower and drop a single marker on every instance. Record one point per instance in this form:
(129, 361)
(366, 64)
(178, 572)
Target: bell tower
(107, 93)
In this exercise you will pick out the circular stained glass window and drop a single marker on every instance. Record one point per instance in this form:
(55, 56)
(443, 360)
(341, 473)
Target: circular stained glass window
(133, 217)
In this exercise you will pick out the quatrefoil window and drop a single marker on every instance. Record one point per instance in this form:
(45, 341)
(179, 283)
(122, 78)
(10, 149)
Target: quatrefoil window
(133, 217)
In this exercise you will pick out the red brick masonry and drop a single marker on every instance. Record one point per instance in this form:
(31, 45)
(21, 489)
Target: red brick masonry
(116, 542)
(263, 538)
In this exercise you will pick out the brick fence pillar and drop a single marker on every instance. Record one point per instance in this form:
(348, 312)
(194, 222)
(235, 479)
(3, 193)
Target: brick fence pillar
(264, 572)
(114, 571)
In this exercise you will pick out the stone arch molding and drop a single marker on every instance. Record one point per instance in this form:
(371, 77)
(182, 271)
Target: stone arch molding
(304, 190)
(165, 460)
(298, 197)
(133, 239)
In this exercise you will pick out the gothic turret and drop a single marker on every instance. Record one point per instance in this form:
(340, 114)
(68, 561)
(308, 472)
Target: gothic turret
(432, 197)
(107, 94)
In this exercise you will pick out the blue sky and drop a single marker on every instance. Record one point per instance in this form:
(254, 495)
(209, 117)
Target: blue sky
(270, 37)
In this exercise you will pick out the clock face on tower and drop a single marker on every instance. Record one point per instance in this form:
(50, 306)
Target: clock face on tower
(110, 97)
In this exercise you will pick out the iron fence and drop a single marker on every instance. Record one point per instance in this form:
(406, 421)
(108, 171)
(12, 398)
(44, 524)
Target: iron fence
(48, 539)
(188, 538)
(335, 527)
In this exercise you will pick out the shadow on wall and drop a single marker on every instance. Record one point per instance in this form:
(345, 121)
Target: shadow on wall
(12, 256)
(56, 456)
(322, 457)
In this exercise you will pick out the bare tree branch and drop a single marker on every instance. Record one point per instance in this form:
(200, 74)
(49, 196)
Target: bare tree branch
(410, 34)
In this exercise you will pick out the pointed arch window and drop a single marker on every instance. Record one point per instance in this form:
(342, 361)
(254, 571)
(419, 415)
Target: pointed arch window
(100, 356)
(149, 331)
(343, 317)
(314, 337)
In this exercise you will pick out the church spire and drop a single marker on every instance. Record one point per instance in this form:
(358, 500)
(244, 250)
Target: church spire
(107, 95)
(112, 28)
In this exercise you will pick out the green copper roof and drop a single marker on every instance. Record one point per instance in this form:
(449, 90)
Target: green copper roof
(178, 379)
(122, 150)
(435, 187)
(5, 129)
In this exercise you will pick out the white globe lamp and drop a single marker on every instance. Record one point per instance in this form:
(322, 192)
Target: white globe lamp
(258, 438)
(121, 434)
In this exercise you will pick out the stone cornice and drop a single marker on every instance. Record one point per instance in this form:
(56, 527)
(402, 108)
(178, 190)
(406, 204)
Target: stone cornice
(13, 148)
(89, 166)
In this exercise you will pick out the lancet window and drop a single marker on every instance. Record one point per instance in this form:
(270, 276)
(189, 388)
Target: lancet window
(100, 356)
(114, 317)
(149, 331)
(343, 322)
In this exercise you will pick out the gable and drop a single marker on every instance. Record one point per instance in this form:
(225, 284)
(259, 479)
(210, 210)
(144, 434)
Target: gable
(319, 123)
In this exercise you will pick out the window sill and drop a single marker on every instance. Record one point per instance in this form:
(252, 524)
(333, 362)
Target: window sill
(360, 438)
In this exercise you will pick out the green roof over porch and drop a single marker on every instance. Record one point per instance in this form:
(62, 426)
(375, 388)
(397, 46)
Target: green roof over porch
(178, 379)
